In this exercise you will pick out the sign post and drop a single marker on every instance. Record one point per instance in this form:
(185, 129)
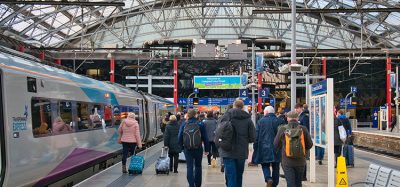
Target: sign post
(322, 126)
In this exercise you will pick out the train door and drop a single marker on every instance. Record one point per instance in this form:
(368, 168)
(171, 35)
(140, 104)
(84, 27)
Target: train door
(2, 138)
(141, 118)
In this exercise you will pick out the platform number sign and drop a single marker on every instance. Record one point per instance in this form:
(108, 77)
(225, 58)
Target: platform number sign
(353, 89)
(243, 93)
(264, 93)
(196, 90)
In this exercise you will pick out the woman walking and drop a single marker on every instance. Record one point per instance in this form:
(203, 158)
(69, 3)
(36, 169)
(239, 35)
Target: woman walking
(171, 141)
(129, 137)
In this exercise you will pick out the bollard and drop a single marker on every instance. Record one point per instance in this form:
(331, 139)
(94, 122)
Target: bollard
(341, 173)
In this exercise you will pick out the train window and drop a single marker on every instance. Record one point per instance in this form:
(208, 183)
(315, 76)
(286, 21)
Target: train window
(83, 116)
(116, 112)
(108, 115)
(96, 116)
(66, 111)
(41, 117)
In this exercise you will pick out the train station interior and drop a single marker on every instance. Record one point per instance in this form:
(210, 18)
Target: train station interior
(75, 74)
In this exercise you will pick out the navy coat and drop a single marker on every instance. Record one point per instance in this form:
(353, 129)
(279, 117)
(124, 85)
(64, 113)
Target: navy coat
(266, 130)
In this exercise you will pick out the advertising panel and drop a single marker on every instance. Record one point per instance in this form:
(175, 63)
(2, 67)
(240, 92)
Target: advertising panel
(323, 122)
(217, 82)
(312, 115)
(317, 122)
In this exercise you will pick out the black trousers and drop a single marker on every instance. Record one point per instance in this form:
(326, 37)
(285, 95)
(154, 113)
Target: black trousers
(173, 161)
(213, 152)
(338, 152)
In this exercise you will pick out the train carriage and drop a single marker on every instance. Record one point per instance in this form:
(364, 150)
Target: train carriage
(56, 124)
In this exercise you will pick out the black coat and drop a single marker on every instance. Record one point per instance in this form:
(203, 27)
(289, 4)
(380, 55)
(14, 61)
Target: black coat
(171, 137)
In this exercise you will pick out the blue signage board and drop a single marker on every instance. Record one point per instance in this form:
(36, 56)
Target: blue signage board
(272, 102)
(218, 82)
(319, 88)
(344, 102)
(263, 93)
(212, 101)
(259, 63)
(195, 90)
(353, 89)
(243, 93)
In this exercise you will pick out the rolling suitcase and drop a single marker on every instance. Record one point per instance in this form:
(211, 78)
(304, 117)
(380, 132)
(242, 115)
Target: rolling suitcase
(348, 153)
(137, 164)
(162, 164)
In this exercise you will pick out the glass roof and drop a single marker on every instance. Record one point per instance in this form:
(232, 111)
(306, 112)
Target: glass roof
(141, 20)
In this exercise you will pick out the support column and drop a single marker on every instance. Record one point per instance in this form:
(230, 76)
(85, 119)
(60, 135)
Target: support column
(260, 80)
(21, 48)
(42, 55)
(58, 61)
(388, 90)
(112, 68)
(324, 67)
(293, 57)
(176, 85)
(150, 84)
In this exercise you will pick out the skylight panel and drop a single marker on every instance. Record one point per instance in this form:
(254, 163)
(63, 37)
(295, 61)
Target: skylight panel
(393, 18)
(20, 26)
(108, 10)
(39, 10)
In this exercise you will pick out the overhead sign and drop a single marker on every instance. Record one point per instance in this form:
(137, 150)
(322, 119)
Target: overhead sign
(353, 89)
(344, 102)
(319, 88)
(243, 93)
(263, 93)
(212, 101)
(217, 82)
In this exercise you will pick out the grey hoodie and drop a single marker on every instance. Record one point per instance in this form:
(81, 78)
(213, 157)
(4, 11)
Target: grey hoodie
(245, 134)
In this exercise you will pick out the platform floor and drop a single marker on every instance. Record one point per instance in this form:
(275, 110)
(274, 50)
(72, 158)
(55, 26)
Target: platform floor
(212, 177)
(382, 132)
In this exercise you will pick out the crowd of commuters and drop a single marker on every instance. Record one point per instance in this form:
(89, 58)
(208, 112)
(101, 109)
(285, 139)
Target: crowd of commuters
(281, 140)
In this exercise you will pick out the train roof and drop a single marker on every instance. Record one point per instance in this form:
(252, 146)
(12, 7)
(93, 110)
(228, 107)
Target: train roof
(11, 60)
(156, 98)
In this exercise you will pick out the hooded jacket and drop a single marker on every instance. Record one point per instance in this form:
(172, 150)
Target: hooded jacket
(245, 133)
(130, 131)
(266, 130)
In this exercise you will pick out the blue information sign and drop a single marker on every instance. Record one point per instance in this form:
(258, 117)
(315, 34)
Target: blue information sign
(264, 93)
(343, 103)
(272, 102)
(353, 89)
(196, 90)
(319, 88)
(243, 93)
(259, 63)
(212, 101)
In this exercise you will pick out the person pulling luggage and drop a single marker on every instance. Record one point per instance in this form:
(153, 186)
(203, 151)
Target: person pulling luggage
(172, 142)
(129, 137)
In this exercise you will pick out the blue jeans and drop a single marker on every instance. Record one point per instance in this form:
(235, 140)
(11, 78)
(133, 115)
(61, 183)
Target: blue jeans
(275, 172)
(194, 157)
(319, 153)
(126, 148)
(293, 175)
(234, 171)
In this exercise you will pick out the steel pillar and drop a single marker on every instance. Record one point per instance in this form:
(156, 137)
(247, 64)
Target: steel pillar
(388, 90)
(324, 67)
(293, 57)
(176, 85)
(42, 55)
(58, 61)
(259, 86)
(112, 68)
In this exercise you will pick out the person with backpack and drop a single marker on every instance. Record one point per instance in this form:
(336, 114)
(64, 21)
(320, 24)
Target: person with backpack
(264, 151)
(211, 125)
(191, 136)
(233, 136)
(129, 137)
(294, 140)
(171, 141)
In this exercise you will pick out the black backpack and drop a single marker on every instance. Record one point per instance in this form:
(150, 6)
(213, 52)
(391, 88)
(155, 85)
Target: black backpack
(192, 136)
(224, 135)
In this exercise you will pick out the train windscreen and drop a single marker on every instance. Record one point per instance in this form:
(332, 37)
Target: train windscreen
(2, 138)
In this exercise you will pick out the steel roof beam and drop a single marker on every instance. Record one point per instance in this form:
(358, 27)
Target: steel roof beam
(65, 3)
(325, 10)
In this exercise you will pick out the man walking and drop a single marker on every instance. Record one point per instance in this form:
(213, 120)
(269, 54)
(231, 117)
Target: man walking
(295, 141)
(243, 134)
(264, 151)
(191, 135)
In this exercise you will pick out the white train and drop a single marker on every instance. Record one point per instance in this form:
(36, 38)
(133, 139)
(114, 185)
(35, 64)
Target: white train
(58, 127)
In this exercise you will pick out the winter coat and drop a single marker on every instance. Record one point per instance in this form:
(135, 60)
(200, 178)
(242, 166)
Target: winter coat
(130, 132)
(336, 135)
(280, 144)
(266, 130)
(211, 125)
(171, 137)
(244, 134)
